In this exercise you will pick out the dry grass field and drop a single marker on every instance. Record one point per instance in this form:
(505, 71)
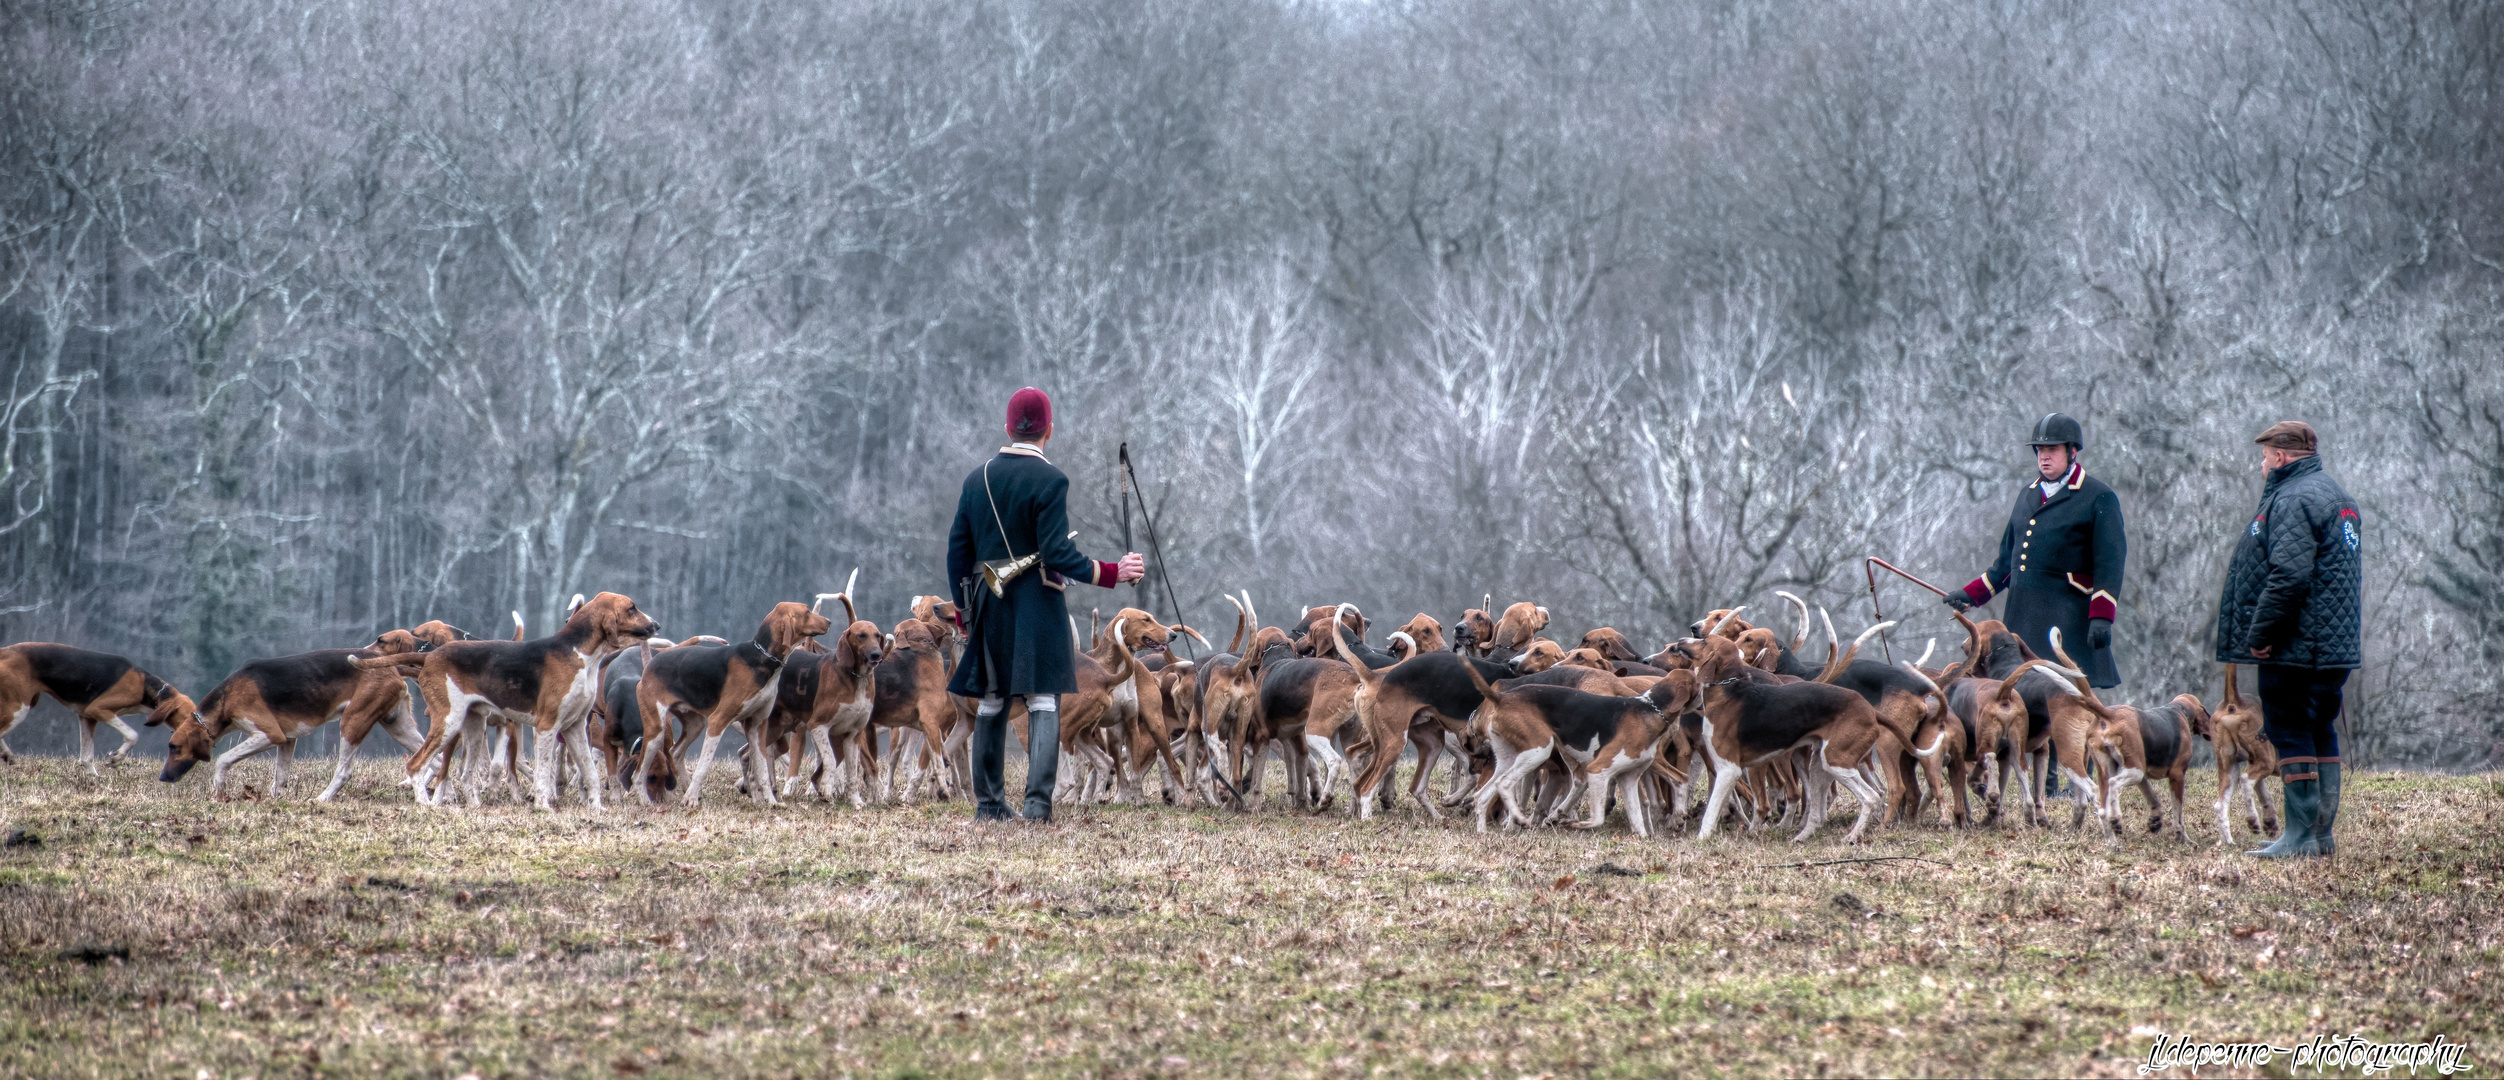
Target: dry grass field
(150, 932)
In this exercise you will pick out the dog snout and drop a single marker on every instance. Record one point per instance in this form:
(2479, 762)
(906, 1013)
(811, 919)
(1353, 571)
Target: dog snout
(175, 768)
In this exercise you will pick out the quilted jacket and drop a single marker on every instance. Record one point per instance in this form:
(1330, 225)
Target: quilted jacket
(2296, 583)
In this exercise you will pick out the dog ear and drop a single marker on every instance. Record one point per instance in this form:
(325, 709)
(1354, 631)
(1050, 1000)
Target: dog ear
(168, 712)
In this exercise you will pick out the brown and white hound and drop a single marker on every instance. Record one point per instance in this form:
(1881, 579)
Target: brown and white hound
(1749, 721)
(1520, 625)
(1421, 634)
(2245, 757)
(548, 683)
(1474, 632)
(1603, 741)
(1426, 702)
(825, 698)
(1142, 732)
(716, 686)
(99, 687)
(911, 699)
(2128, 744)
(284, 699)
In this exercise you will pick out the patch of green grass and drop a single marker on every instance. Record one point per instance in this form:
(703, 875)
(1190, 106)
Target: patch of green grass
(375, 937)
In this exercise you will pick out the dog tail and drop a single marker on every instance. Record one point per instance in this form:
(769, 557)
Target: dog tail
(1844, 663)
(1720, 622)
(2233, 696)
(1339, 638)
(1934, 692)
(1121, 668)
(2078, 678)
(1799, 640)
(1832, 652)
(2008, 686)
(517, 626)
(1242, 615)
(1179, 628)
(1399, 638)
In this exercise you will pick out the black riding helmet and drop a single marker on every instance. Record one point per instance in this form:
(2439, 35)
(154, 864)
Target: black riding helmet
(2057, 429)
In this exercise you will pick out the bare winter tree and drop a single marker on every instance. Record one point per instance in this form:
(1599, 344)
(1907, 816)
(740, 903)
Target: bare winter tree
(320, 320)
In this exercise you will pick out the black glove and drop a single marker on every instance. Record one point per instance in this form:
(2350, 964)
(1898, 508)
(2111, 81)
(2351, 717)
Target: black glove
(1957, 602)
(2100, 633)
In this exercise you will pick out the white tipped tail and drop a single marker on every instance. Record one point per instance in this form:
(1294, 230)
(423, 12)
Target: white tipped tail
(1799, 640)
(1717, 623)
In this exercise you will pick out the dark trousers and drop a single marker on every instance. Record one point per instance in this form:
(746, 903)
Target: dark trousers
(2300, 710)
(1043, 758)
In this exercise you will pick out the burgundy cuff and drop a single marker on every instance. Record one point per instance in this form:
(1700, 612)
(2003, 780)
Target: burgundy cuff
(2100, 607)
(1978, 591)
(1107, 574)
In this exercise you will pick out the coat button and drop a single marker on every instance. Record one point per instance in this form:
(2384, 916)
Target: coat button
(2030, 521)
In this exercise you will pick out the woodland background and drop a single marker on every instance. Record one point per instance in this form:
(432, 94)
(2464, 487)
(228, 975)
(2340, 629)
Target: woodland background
(325, 318)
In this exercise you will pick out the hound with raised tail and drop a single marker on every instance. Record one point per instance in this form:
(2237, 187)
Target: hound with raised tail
(716, 686)
(1604, 742)
(2245, 757)
(1994, 659)
(2130, 744)
(1426, 702)
(1145, 733)
(825, 698)
(99, 687)
(910, 702)
(1747, 722)
(547, 682)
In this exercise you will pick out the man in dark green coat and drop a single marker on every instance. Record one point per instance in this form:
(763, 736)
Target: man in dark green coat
(1013, 517)
(2293, 604)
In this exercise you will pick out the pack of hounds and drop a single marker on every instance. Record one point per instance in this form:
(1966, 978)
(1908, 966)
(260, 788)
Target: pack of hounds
(1535, 734)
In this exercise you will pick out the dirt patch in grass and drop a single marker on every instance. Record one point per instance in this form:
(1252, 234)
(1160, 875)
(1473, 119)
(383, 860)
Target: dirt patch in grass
(152, 932)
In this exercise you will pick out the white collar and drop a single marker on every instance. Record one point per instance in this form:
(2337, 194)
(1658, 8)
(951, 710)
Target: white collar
(1026, 450)
(2073, 479)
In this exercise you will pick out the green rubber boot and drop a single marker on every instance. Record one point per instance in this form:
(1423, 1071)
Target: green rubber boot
(2303, 801)
(2328, 811)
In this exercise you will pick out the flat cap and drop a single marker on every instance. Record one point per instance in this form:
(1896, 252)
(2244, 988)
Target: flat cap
(2293, 435)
